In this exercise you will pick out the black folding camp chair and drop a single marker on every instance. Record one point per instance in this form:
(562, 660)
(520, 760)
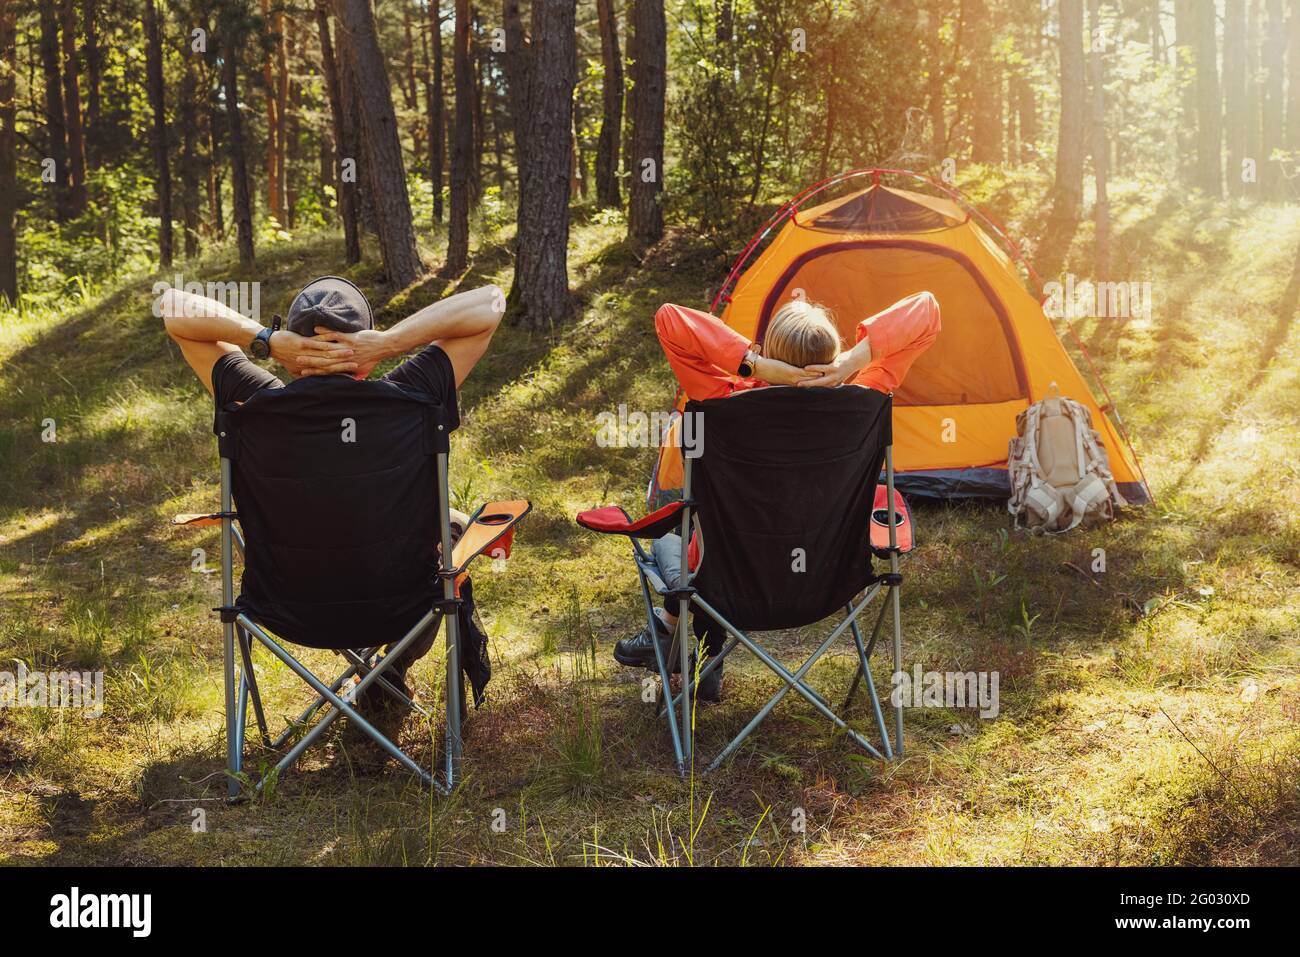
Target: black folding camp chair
(343, 521)
(782, 492)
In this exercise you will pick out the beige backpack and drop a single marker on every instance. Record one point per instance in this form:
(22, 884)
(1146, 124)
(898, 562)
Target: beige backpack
(1060, 474)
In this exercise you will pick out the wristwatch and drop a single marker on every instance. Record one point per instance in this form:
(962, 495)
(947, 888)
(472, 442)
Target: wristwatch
(747, 364)
(260, 347)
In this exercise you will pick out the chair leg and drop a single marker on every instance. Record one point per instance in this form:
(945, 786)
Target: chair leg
(315, 706)
(340, 706)
(864, 671)
(673, 731)
(246, 655)
(364, 667)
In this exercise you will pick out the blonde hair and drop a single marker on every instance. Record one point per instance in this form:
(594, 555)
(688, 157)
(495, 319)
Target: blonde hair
(801, 333)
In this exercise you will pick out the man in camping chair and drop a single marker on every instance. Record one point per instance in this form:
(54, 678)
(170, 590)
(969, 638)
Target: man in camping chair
(777, 443)
(333, 447)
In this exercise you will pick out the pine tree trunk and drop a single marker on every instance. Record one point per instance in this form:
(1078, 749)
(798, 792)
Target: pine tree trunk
(343, 144)
(648, 33)
(1067, 194)
(90, 20)
(283, 216)
(1274, 106)
(1252, 136)
(383, 148)
(1234, 91)
(1100, 149)
(541, 75)
(1293, 76)
(158, 103)
(55, 123)
(72, 107)
(217, 226)
(1209, 116)
(434, 95)
(462, 143)
(243, 203)
(189, 158)
(986, 91)
(8, 152)
(611, 96)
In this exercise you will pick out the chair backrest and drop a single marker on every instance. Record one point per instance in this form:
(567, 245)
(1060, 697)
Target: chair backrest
(336, 486)
(784, 487)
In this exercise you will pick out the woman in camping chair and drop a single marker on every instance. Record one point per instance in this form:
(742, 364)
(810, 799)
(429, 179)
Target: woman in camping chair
(801, 349)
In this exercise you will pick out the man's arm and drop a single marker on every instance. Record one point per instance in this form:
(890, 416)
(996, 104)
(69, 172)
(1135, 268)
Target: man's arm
(461, 325)
(206, 330)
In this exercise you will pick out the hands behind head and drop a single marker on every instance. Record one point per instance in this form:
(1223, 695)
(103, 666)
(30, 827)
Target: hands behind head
(311, 356)
(367, 348)
(844, 367)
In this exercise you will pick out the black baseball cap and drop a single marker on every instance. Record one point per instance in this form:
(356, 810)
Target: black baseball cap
(332, 302)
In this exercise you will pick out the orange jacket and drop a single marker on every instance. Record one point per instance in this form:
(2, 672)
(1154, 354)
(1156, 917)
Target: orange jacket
(705, 352)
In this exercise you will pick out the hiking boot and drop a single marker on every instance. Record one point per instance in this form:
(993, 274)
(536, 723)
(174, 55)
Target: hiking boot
(639, 651)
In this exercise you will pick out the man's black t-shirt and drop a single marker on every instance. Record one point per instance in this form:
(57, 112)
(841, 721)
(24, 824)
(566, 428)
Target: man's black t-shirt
(235, 378)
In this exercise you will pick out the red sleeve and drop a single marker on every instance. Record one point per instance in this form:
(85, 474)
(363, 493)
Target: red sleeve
(703, 351)
(898, 336)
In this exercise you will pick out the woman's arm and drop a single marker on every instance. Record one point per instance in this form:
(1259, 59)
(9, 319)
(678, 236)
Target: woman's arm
(888, 343)
(706, 353)
(461, 325)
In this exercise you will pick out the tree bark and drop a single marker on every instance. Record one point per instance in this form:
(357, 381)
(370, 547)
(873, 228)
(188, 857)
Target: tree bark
(283, 216)
(541, 72)
(1234, 91)
(72, 108)
(243, 204)
(462, 142)
(343, 142)
(189, 158)
(1100, 149)
(611, 95)
(90, 19)
(1209, 118)
(986, 88)
(434, 95)
(1274, 107)
(648, 35)
(158, 103)
(1252, 136)
(55, 123)
(383, 147)
(8, 152)
(1067, 193)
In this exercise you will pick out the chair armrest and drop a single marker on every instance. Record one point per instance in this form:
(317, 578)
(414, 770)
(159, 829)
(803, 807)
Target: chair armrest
(199, 518)
(880, 523)
(614, 520)
(491, 527)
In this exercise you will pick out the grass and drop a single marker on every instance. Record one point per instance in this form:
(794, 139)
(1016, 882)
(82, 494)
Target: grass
(1145, 719)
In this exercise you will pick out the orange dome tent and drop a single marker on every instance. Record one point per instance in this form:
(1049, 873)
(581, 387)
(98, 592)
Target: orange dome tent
(998, 351)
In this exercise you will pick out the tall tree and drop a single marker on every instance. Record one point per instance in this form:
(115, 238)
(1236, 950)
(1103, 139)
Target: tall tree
(8, 151)
(383, 148)
(271, 161)
(540, 71)
(1252, 137)
(462, 140)
(1100, 144)
(985, 86)
(233, 29)
(1234, 91)
(648, 37)
(94, 67)
(611, 97)
(1209, 116)
(1292, 74)
(189, 122)
(434, 97)
(344, 146)
(55, 124)
(72, 107)
(1067, 191)
(158, 106)
(1272, 125)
